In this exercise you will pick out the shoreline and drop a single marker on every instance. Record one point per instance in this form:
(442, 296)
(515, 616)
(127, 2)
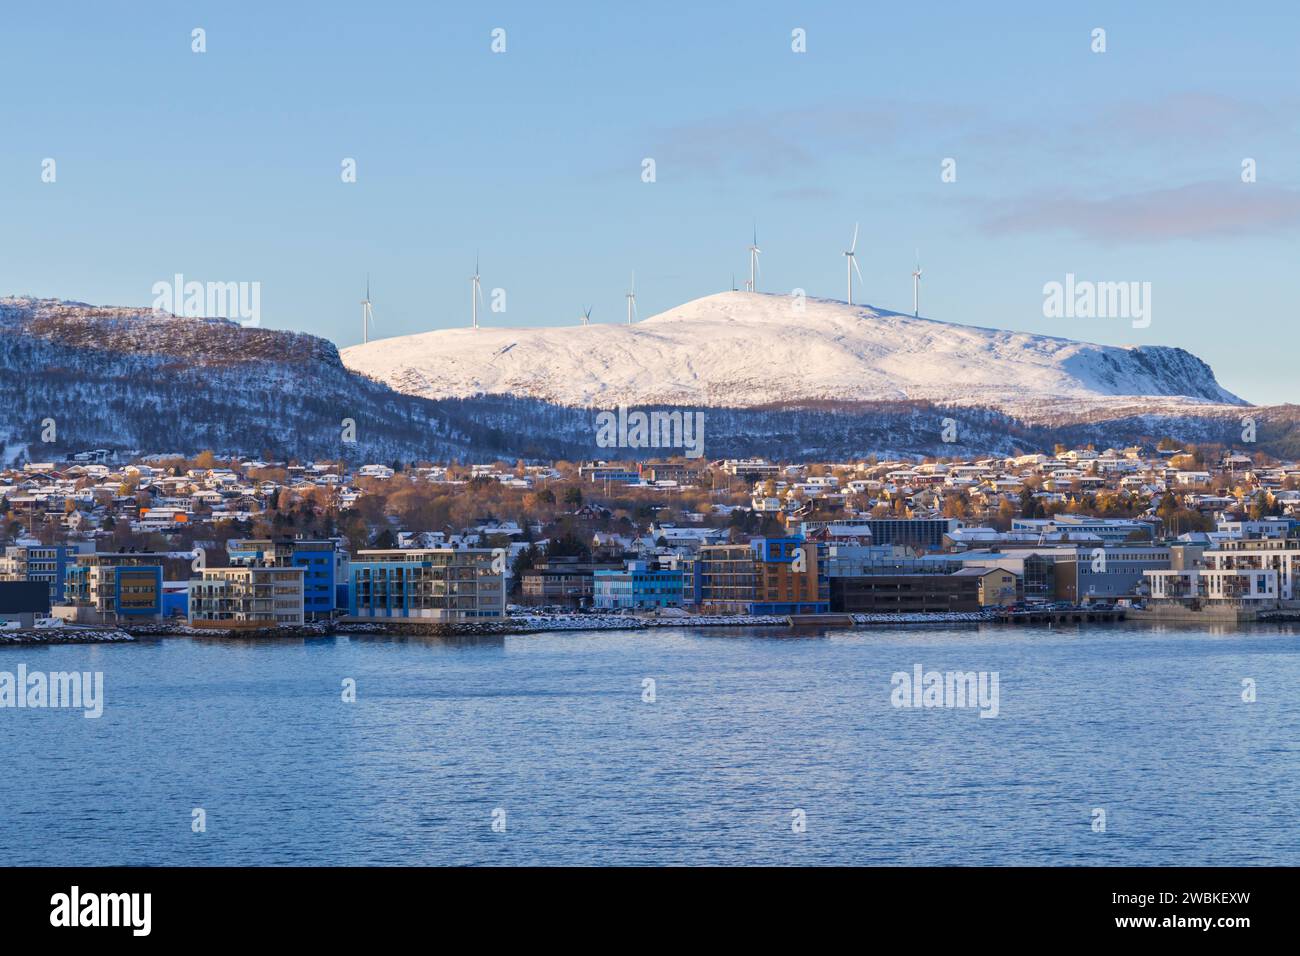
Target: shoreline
(561, 623)
(51, 636)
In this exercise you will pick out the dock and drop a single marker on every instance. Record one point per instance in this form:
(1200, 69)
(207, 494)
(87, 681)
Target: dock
(1078, 615)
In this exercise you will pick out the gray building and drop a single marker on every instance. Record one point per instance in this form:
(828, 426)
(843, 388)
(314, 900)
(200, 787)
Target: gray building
(22, 602)
(1108, 573)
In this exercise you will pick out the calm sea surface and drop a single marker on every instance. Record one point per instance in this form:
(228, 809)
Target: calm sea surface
(747, 726)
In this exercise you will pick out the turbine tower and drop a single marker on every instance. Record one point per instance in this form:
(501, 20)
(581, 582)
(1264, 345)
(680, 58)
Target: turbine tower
(916, 288)
(851, 265)
(475, 293)
(586, 317)
(367, 314)
(754, 253)
(631, 300)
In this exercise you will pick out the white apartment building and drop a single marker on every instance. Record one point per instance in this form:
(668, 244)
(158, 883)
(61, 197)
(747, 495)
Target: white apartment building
(250, 596)
(1242, 572)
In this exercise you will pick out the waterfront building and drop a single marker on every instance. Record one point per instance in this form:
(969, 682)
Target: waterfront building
(1197, 588)
(109, 587)
(32, 561)
(997, 587)
(247, 596)
(432, 585)
(1246, 572)
(637, 587)
(323, 561)
(1280, 555)
(1107, 573)
(765, 576)
(22, 602)
(563, 581)
(905, 593)
(1033, 569)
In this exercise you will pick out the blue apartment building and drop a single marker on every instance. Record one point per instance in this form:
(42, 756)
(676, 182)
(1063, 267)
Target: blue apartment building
(433, 585)
(39, 562)
(324, 584)
(778, 576)
(636, 587)
(106, 587)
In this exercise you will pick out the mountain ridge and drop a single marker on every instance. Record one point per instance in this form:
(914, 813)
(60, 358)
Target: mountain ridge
(742, 349)
(127, 379)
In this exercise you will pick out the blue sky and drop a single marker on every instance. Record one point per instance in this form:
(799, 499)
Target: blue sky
(1122, 166)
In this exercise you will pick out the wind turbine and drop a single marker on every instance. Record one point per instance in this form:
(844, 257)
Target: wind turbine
(367, 314)
(916, 288)
(754, 253)
(586, 316)
(851, 265)
(631, 300)
(475, 293)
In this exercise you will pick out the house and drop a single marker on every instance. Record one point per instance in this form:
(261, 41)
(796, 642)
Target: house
(997, 586)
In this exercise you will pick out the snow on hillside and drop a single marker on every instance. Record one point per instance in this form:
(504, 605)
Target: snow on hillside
(743, 349)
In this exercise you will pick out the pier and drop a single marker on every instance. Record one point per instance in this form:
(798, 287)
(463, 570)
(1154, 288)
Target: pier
(1078, 615)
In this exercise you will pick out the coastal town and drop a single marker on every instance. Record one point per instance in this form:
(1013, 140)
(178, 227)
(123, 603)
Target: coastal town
(197, 544)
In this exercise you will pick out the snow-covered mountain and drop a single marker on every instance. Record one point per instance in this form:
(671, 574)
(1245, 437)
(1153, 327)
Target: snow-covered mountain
(127, 378)
(743, 350)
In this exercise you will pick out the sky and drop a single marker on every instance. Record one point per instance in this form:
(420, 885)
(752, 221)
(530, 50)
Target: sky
(1115, 166)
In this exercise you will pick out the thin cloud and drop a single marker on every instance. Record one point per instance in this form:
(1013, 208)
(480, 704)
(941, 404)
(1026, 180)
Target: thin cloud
(1205, 210)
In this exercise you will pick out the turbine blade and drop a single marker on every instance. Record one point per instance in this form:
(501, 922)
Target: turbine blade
(854, 245)
(854, 260)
